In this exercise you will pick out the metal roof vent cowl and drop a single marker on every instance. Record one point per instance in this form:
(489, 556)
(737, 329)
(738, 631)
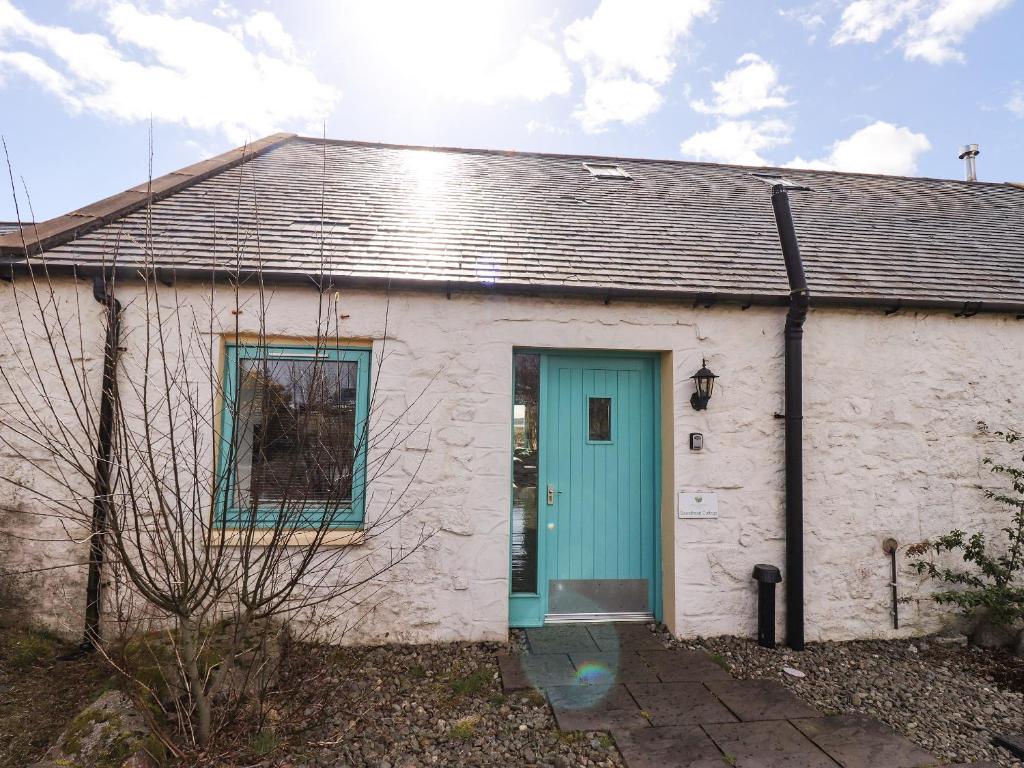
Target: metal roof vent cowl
(967, 153)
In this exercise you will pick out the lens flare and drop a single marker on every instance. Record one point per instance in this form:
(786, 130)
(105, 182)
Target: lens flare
(593, 673)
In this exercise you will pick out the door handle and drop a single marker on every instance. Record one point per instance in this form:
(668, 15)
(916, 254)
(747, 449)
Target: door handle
(551, 494)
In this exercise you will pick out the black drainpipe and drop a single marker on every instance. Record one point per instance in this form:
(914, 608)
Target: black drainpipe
(799, 298)
(103, 293)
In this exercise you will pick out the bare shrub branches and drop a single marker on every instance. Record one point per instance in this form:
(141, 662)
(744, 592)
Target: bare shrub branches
(214, 465)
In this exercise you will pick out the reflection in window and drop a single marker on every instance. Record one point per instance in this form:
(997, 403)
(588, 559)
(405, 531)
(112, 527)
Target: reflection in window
(525, 462)
(600, 421)
(296, 423)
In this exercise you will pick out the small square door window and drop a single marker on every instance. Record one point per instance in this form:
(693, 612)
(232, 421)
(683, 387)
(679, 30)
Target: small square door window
(599, 427)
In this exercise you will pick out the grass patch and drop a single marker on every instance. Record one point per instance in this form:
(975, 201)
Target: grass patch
(471, 684)
(416, 672)
(605, 740)
(26, 648)
(534, 697)
(465, 727)
(719, 659)
(263, 743)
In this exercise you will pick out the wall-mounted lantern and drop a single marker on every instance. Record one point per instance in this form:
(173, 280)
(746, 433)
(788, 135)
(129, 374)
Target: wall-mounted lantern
(704, 380)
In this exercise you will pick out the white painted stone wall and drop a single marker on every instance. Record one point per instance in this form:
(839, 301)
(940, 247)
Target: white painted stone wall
(891, 449)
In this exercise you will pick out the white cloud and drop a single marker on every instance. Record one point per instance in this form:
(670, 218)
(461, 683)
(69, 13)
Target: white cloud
(539, 126)
(627, 49)
(622, 100)
(930, 29)
(1016, 103)
(737, 141)
(865, 21)
(635, 37)
(878, 148)
(810, 17)
(37, 70)
(177, 70)
(751, 87)
(265, 27)
(534, 72)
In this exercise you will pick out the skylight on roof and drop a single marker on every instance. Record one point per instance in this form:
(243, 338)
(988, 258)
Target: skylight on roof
(606, 171)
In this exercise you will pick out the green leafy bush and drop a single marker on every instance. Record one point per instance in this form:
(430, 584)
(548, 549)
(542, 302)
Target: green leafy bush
(991, 586)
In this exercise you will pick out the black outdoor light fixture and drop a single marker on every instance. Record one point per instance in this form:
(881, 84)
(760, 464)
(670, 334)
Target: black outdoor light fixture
(704, 379)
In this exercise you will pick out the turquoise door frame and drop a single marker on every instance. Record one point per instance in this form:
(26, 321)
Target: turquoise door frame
(602, 524)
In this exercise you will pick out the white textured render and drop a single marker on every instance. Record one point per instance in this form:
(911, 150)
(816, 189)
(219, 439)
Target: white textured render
(892, 448)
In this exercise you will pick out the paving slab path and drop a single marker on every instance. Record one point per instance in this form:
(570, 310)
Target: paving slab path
(680, 709)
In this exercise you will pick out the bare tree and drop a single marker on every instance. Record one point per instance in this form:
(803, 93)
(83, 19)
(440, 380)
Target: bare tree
(214, 499)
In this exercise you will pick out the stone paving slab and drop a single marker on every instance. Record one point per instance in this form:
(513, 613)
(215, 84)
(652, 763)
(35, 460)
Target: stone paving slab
(615, 637)
(679, 709)
(562, 638)
(679, 704)
(681, 746)
(1012, 742)
(595, 708)
(859, 741)
(625, 667)
(768, 744)
(760, 700)
(679, 666)
(520, 671)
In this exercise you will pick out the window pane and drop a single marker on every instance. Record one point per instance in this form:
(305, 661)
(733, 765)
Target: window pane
(296, 431)
(525, 460)
(600, 419)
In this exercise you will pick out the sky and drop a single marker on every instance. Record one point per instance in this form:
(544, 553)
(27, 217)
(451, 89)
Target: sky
(875, 86)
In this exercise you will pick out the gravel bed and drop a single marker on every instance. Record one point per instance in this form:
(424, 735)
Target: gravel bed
(949, 700)
(437, 705)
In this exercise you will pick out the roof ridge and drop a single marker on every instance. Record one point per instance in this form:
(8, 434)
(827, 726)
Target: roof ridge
(35, 238)
(633, 159)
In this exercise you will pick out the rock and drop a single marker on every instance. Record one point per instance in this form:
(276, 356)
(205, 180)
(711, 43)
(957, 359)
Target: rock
(153, 660)
(109, 733)
(987, 635)
(1019, 647)
(793, 672)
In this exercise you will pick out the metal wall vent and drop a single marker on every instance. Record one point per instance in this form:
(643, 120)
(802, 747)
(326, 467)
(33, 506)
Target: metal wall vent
(606, 171)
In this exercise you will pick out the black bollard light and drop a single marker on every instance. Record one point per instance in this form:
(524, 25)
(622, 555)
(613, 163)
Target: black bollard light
(766, 576)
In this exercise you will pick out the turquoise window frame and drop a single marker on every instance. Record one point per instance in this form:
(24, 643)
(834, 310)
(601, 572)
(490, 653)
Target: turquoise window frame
(230, 515)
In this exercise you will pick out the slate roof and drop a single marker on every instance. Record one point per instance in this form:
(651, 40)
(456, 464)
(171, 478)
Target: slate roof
(536, 222)
(8, 226)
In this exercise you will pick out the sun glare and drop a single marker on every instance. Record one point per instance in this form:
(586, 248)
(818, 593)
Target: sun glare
(440, 47)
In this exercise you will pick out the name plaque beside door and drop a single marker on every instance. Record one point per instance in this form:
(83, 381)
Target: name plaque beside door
(697, 506)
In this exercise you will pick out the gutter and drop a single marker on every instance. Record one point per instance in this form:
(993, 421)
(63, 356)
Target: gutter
(11, 269)
(799, 301)
(102, 291)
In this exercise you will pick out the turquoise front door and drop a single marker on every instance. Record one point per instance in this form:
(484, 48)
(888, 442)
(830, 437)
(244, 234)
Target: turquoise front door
(595, 499)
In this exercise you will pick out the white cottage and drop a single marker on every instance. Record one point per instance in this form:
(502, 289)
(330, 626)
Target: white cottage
(543, 319)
